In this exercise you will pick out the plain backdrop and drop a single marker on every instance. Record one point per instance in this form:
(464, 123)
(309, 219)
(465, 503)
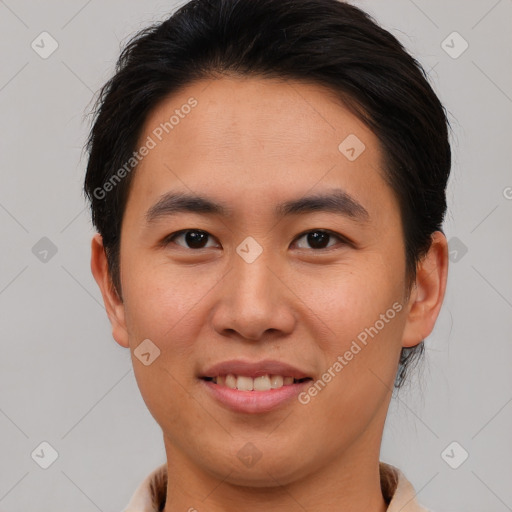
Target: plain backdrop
(63, 379)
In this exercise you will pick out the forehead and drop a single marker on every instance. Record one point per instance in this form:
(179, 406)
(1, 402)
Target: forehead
(270, 137)
(268, 117)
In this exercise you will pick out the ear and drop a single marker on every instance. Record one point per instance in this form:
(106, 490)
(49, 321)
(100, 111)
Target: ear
(427, 293)
(113, 304)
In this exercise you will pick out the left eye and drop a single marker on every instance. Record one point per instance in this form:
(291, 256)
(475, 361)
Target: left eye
(319, 238)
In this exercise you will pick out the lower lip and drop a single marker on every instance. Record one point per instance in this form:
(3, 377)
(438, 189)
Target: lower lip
(255, 402)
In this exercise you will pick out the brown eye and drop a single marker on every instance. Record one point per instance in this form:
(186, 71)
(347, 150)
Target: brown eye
(319, 239)
(193, 238)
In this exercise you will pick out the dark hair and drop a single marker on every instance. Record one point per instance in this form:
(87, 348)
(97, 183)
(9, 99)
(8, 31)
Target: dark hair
(325, 42)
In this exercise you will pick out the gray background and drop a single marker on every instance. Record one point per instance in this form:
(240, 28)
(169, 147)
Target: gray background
(65, 381)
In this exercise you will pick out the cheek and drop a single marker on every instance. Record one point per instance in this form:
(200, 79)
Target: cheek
(163, 305)
(348, 298)
(359, 310)
(161, 299)
(364, 311)
(360, 353)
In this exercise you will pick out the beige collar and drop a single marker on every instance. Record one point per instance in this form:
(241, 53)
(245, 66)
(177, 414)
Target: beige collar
(151, 493)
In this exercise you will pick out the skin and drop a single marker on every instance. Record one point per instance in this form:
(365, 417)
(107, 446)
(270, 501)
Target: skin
(252, 143)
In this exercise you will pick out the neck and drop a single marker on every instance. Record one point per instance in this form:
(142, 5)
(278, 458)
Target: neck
(349, 481)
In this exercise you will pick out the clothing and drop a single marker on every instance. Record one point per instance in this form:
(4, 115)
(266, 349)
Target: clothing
(396, 489)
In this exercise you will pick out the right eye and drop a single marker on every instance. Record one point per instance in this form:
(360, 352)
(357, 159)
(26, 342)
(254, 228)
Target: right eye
(195, 238)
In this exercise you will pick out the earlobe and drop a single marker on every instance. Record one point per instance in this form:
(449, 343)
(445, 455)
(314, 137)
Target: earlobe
(113, 304)
(428, 292)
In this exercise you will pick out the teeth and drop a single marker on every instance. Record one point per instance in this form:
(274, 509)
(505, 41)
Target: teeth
(244, 383)
(261, 383)
(230, 381)
(276, 381)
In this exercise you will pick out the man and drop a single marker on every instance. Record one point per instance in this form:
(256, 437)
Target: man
(268, 184)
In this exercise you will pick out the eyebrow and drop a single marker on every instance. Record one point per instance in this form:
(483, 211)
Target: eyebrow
(335, 201)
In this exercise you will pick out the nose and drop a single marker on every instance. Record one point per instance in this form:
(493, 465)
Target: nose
(255, 302)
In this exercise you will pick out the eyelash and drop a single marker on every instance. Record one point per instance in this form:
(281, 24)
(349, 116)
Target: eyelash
(344, 241)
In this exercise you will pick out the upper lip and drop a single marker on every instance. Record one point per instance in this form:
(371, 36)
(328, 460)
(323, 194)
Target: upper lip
(254, 369)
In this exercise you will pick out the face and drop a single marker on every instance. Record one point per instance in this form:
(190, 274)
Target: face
(299, 272)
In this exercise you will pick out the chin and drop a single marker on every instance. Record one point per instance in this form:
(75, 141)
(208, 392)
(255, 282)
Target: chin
(262, 475)
(252, 467)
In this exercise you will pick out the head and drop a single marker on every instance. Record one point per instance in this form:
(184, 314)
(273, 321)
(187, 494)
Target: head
(307, 158)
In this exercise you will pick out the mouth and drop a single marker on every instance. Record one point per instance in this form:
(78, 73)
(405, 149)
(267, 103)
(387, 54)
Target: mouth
(254, 387)
(260, 383)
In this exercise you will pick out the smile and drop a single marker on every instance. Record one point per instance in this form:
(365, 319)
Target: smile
(261, 383)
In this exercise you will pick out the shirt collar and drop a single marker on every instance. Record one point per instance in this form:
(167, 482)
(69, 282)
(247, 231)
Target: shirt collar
(151, 493)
